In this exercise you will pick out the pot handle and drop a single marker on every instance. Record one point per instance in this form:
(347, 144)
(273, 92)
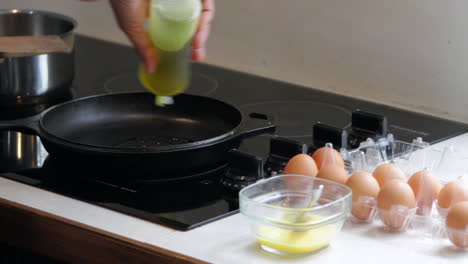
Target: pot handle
(28, 125)
(257, 124)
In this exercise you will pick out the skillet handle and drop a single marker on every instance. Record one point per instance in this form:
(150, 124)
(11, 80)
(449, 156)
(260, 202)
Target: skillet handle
(257, 124)
(28, 125)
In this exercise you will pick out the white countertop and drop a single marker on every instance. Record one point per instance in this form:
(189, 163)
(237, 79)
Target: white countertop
(228, 240)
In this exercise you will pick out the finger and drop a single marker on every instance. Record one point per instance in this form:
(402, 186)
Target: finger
(201, 37)
(198, 54)
(203, 31)
(207, 14)
(205, 20)
(144, 47)
(209, 5)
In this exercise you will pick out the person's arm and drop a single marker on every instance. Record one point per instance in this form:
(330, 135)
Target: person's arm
(131, 16)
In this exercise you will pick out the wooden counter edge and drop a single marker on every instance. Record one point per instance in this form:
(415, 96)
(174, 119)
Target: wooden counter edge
(70, 241)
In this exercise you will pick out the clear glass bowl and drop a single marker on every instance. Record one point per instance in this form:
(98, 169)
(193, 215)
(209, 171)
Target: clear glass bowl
(284, 222)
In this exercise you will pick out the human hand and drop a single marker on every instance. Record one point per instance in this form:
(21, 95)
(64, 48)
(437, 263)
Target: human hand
(131, 16)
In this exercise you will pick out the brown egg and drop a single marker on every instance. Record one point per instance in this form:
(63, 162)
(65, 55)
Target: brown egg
(365, 190)
(326, 156)
(457, 224)
(394, 201)
(301, 164)
(450, 194)
(333, 173)
(426, 187)
(387, 172)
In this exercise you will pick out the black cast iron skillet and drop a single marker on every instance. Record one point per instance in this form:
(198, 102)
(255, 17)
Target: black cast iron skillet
(127, 131)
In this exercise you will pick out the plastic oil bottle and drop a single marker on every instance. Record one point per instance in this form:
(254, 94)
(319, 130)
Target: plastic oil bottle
(172, 24)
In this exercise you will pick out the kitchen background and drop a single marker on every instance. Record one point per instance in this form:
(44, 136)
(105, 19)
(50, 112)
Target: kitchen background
(411, 54)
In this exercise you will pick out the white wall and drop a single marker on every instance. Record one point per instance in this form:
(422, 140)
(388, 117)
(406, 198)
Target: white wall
(408, 53)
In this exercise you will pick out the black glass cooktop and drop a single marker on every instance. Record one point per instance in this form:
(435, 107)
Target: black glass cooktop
(104, 67)
(180, 204)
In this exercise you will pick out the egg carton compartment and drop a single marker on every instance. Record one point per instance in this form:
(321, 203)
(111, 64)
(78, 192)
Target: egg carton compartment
(397, 218)
(428, 226)
(458, 237)
(442, 211)
(449, 163)
(364, 209)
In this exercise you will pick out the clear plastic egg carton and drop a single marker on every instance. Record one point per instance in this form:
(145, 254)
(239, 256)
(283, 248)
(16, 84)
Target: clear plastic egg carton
(369, 155)
(447, 163)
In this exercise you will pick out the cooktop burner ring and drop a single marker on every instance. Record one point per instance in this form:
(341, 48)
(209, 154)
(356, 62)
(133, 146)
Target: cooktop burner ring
(289, 115)
(200, 84)
(196, 176)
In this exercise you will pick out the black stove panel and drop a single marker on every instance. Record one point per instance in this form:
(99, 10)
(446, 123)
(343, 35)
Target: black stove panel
(195, 200)
(182, 205)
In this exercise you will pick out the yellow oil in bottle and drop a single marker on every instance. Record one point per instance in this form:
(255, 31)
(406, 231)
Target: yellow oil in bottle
(172, 75)
(172, 24)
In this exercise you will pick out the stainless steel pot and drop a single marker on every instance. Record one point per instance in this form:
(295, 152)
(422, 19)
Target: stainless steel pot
(29, 79)
(20, 151)
(30, 83)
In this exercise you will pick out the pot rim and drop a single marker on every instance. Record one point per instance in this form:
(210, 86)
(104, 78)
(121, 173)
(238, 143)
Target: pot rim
(53, 14)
